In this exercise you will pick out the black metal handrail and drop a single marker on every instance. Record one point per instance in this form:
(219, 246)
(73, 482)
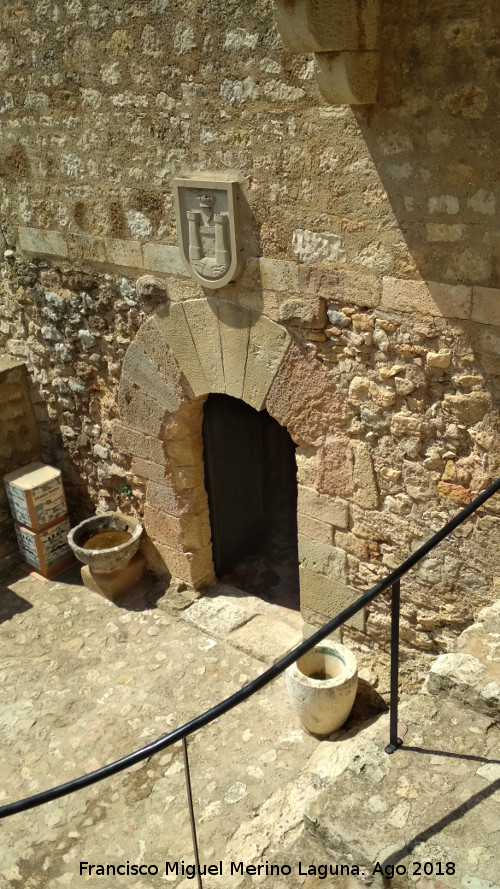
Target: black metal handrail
(182, 732)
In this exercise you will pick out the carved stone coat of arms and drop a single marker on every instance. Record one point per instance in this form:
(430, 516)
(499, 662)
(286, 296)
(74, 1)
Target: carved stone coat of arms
(208, 230)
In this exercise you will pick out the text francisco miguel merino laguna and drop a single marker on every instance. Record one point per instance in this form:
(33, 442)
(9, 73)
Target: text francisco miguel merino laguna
(190, 871)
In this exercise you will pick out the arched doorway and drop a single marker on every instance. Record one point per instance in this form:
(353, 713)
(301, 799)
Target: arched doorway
(183, 354)
(250, 477)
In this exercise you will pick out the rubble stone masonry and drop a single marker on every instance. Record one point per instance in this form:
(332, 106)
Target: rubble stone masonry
(366, 321)
(19, 445)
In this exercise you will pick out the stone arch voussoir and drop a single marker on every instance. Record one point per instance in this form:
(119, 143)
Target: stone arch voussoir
(180, 355)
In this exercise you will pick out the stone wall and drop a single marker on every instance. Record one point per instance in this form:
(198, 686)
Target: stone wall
(103, 104)
(384, 216)
(19, 445)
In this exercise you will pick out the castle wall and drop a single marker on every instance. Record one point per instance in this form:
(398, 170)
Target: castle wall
(386, 216)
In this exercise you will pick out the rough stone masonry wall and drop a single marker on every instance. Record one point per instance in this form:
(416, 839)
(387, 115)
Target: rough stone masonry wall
(387, 215)
(19, 445)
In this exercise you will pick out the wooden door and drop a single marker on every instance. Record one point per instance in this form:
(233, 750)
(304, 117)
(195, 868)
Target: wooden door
(234, 479)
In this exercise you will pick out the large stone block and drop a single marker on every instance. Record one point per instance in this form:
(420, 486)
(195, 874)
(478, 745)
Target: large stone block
(365, 483)
(459, 675)
(186, 532)
(327, 597)
(485, 339)
(45, 243)
(304, 312)
(327, 25)
(152, 343)
(161, 495)
(163, 258)
(262, 302)
(184, 478)
(427, 298)
(315, 529)
(172, 324)
(186, 424)
(279, 275)
(203, 321)
(195, 568)
(345, 286)
(267, 346)
(334, 474)
(234, 326)
(322, 558)
(126, 254)
(138, 410)
(348, 78)
(131, 441)
(145, 469)
(486, 305)
(86, 247)
(322, 507)
(185, 451)
(163, 527)
(303, 398)
(119, 582)
(138, 368)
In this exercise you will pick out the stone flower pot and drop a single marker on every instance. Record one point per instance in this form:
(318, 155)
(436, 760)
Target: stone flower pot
(113, 542)
(322, 687)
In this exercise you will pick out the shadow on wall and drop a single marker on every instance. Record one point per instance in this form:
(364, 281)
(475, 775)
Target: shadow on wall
(434, 131)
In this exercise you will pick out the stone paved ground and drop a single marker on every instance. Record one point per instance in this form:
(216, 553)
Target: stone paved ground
(84, 681)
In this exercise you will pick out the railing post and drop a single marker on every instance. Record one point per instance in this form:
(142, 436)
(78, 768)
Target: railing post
(394, 741)
(191, 812)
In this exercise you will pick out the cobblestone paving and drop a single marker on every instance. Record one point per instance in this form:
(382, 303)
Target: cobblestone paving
(84, 681)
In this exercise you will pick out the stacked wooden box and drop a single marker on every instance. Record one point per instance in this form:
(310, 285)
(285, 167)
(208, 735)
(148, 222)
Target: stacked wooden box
(38, 506)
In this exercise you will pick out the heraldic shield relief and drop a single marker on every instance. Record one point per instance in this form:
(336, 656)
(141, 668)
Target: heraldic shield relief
(208, 229)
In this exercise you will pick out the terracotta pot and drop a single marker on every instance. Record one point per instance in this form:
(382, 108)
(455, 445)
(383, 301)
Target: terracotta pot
(322, 687)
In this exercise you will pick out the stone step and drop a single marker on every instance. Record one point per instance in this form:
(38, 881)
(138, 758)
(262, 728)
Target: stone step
(426, 817)
(471, 673)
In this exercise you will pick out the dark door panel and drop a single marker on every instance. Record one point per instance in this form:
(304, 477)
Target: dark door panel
(234, 478)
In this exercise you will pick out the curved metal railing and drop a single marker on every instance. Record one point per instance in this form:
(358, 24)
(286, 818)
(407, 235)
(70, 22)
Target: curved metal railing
(182, 732)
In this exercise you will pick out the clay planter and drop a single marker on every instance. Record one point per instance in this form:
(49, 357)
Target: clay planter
(111, 558)
(322, 687)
